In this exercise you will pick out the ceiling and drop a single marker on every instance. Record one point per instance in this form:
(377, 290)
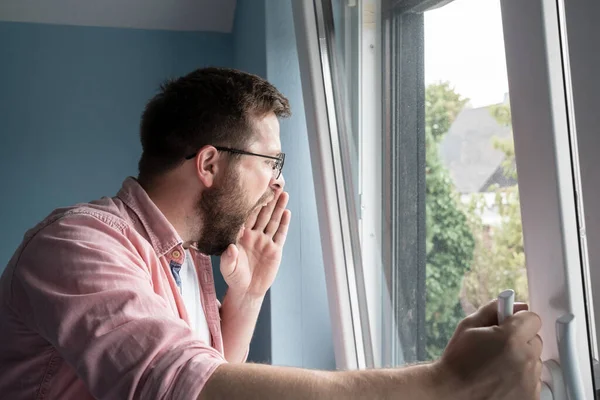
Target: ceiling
(178, 15)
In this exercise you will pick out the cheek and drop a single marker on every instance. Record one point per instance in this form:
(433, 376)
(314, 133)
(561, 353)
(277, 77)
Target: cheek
(258, 191)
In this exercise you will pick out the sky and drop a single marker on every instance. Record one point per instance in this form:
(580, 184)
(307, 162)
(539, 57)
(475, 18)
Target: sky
(464, 45)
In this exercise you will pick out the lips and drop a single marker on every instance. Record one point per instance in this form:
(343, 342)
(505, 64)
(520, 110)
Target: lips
(266, 203)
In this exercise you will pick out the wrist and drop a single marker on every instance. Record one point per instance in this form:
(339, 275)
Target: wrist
(426, 381)
(242, 300)
(444, 383)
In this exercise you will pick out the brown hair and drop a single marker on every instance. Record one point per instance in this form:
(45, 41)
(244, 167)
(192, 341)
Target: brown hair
(210, 106)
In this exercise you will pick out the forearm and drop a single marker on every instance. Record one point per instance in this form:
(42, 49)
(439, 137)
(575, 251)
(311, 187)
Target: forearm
(255, 381)
(238, 320)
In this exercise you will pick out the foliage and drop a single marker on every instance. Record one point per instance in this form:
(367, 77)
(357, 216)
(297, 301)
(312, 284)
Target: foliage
(442, 106)
(499, 258)
(468, 262)
(450, 242)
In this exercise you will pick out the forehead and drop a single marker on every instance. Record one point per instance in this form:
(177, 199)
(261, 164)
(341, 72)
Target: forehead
(266, 134)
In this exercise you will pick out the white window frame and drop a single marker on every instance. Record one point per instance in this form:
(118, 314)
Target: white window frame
(353, 346)
(370, 189)
(542, 133)
(543, 130)
(583, 34)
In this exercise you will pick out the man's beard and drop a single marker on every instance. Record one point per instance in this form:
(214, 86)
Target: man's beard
(224, 210)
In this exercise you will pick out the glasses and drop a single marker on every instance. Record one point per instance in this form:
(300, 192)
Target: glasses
(277, 165)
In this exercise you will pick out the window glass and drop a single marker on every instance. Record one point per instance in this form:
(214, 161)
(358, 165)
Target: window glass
(426, 114)
(474, 234)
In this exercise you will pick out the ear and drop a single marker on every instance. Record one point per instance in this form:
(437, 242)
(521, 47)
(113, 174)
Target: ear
(207, 165)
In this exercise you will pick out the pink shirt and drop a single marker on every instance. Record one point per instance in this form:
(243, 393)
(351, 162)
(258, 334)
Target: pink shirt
(89, 307)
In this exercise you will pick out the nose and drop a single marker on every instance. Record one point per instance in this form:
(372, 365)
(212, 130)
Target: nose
(278, 184)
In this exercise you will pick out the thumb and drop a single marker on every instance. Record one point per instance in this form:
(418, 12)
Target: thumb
(229, 260)
(487, 315)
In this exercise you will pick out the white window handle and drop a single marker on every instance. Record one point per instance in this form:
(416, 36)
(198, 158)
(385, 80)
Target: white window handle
(561, 380)
(506, 302)
(566, 336)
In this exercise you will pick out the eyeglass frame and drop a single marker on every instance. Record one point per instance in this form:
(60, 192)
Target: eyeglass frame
(277, 167)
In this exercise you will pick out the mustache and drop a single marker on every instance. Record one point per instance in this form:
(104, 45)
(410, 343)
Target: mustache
(265, 199)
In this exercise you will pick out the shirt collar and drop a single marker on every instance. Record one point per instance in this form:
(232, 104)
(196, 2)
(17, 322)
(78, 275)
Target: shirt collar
(161, 232)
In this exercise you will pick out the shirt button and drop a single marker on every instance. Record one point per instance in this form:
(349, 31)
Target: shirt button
(176, 254)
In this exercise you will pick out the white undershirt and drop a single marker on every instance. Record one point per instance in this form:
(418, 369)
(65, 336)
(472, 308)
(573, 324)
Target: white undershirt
(190, 290)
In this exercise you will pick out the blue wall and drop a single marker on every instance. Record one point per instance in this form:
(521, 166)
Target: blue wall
(249, 32)
(294, 328)
(70, 102)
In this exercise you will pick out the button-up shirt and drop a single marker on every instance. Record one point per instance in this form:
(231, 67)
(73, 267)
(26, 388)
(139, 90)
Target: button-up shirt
(90, 308)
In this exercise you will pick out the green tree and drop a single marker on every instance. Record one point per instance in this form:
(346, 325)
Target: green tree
(499, 257)
(442, 106)
(450, 242)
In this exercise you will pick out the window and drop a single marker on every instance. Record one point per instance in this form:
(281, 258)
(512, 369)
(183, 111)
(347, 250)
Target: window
(416, 145)
(584, 64)
(474, 236)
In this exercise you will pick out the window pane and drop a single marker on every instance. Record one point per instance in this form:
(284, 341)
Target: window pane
(474, 234)
(427, 120)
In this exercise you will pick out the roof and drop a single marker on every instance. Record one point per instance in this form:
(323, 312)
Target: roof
(467, 151)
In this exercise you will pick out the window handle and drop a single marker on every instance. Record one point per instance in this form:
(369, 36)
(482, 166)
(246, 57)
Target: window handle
(566, 336)
(561, 380)
(506, 302)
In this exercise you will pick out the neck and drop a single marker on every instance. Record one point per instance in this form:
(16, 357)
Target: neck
(174, 200)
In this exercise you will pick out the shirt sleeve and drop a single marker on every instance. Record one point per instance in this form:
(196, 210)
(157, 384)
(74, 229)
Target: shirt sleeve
(83, 286)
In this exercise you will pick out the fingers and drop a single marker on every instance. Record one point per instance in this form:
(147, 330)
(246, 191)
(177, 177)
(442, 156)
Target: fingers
(537, 345)
(539, 366)
(485, 316)
(520, 307)
(537, 376)
(281, 234)
(229, 260)
(524, 325)
(274, 222)
(252, 218)
(264, 216)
